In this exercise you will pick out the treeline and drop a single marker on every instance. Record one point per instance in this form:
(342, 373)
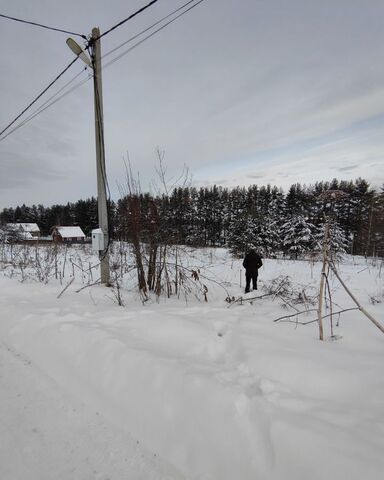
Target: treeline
(82, 213)
(265, 216)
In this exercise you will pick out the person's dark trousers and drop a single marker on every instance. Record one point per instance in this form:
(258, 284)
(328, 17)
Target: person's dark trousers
(248, 278)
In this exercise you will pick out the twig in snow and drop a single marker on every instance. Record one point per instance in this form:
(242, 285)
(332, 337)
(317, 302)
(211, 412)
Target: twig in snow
(286, 301)
(295, 314)
(89, 285)
(287, 317)
(65, 288)
(242, 299)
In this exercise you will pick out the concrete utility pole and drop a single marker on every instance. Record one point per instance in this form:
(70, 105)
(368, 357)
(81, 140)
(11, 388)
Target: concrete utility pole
(100, 155)
(95, 64)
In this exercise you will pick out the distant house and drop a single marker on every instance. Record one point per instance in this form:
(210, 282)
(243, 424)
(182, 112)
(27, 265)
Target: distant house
(68, 234)
(22, 231)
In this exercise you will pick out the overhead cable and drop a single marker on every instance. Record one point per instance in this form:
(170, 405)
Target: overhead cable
(42, 26)
(44, 107)
(147, 37)
(127, 19)
(147, 29)
(39, 96)
(50, 102)
(71, 33)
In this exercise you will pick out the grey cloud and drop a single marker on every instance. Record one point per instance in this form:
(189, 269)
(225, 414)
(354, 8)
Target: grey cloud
(256, 176)
(16, 171)
(61, 147)
(348, 168)
(282, 175)
(275, 78)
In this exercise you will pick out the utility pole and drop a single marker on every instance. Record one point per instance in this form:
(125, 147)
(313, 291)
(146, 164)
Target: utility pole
(95, 64)
(100, 155)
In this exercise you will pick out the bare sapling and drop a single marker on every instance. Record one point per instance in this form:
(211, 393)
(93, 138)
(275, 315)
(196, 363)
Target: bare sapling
(116, 283)
(322, 280)
(45, 262)
(131, 229)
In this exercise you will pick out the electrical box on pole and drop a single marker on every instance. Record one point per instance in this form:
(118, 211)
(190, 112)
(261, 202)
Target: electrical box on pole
(98, 240)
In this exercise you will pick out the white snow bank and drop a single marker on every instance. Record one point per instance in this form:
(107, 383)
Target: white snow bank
(222, 393)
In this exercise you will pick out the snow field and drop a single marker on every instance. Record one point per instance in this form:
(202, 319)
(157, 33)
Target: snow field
(218, 391)
(47, 433)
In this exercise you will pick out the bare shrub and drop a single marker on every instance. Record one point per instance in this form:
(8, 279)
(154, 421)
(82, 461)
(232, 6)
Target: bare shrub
(290, 293)
(144, 223)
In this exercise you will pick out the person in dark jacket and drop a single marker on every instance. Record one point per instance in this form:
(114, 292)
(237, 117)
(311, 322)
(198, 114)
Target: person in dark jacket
(252, 262)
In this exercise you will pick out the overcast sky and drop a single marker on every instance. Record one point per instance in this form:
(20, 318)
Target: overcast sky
(239, 91)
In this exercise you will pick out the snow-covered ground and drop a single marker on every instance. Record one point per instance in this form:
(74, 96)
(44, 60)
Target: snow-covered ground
(182, 389)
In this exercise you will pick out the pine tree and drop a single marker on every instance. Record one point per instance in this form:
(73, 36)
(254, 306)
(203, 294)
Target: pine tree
(298, 236)
(339, 243)
(245, 232)
(377, 225)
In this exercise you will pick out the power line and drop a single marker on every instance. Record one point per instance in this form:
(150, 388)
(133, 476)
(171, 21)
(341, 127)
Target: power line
(42, 108)
(148, 36)
(71, 33)
(40, 95)
(127, 19)
(147, 29)
(42, 26)
(49, 103)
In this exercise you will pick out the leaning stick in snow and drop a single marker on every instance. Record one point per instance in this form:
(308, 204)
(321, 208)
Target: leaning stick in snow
(330, 301)
(362, 309)
(65, 288)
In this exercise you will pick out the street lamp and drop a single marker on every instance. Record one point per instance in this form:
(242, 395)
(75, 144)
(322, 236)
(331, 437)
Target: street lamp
(78, 51)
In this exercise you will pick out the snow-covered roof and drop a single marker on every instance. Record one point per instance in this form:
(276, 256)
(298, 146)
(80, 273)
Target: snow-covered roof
(25, 227)
(70, 232)
(30, 227)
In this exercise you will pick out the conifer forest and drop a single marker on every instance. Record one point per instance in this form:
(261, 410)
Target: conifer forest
(276, 222)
